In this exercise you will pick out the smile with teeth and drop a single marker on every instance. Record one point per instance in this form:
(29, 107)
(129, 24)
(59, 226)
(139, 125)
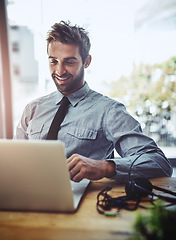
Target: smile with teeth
(62, 78)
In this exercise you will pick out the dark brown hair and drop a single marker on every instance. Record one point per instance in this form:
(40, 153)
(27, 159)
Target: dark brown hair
(65, 33)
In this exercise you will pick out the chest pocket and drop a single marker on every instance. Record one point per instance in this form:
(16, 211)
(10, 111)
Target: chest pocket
(34, 130)
(82, 133)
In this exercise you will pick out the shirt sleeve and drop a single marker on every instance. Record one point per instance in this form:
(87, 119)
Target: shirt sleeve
(140, 156)
(21, 129)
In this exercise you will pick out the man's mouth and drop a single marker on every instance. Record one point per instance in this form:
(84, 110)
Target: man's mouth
(61, 78)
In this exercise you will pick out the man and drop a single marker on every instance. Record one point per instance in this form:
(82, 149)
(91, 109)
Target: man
(94, 124)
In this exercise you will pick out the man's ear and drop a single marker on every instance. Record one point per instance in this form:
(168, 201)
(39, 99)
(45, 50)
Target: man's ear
(87, 61)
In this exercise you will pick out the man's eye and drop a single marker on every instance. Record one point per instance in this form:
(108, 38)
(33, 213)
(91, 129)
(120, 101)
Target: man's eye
(53, 62)
(69, 63)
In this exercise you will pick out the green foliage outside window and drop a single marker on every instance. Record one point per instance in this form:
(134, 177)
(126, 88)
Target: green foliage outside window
(150, 94)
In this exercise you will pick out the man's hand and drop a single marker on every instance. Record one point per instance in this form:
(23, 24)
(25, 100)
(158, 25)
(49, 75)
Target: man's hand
(81, 167)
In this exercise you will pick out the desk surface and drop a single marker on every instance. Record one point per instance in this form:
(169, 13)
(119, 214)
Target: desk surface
(85, 224)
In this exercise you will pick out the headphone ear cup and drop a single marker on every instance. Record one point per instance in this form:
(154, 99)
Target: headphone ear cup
(130, 192)
(133, 191)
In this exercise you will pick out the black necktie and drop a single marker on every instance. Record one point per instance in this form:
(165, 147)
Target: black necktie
(58, 119)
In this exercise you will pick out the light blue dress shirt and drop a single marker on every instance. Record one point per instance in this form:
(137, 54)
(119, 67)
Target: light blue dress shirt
(93, 127)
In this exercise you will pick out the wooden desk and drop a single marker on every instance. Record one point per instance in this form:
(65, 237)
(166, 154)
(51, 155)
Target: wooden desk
(85, 224)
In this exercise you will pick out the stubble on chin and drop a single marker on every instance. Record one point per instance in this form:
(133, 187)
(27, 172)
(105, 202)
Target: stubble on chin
(73, 85)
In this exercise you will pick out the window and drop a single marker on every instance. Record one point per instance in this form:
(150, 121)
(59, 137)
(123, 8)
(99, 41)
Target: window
(15, 47)
(134, 59)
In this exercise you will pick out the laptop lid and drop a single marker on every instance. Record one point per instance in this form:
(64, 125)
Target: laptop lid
(34, 177)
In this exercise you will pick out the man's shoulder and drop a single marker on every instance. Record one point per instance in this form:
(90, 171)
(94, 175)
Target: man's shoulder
(96, 96)
(49, 98)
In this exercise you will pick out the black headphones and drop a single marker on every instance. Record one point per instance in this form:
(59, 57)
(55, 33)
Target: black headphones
(135, 189)
(141, 187)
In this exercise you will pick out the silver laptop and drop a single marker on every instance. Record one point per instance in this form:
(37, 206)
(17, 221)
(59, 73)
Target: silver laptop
(34, 177)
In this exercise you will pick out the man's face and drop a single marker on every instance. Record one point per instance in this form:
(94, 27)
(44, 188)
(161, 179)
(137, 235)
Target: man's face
(66, 67)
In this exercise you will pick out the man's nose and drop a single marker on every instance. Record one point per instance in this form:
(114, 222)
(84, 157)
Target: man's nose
(60, 69)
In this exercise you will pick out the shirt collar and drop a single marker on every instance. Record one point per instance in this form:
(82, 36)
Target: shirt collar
(75, 97)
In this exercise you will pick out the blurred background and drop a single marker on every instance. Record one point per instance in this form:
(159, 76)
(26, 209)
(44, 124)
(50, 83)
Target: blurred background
(133, 56)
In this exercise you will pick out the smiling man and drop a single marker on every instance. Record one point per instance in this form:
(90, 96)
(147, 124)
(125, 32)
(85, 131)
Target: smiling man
(66, 66)
(94, 125)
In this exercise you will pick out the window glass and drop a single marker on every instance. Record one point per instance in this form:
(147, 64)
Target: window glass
(133, 55)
